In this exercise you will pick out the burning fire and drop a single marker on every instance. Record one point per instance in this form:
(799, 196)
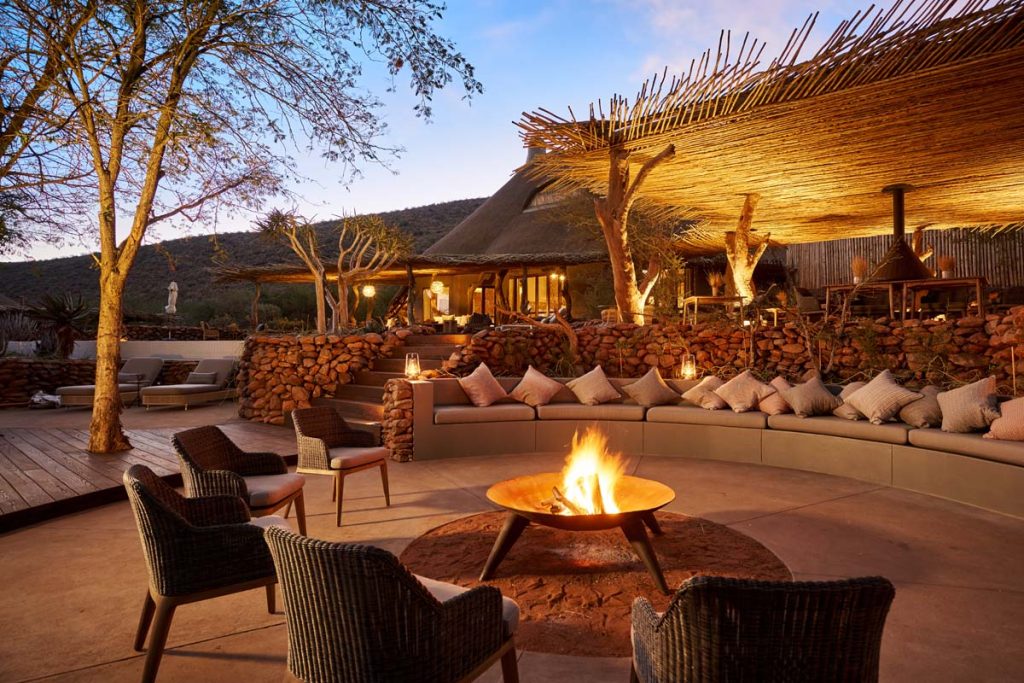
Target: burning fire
(589, 477)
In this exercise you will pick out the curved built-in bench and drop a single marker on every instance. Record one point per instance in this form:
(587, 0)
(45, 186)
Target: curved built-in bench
(963, 467)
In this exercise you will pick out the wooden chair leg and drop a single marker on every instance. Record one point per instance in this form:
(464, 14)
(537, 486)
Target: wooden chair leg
(633, 677)
(384, 481)
(340, 477)
(510, 666)
(287, 509)
(158, 638)
(300, 512)
(144, 621)
(271, 602)
(334, 489)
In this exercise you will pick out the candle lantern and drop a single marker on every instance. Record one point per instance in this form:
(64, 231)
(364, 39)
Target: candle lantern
(412, 365)
(689, 367)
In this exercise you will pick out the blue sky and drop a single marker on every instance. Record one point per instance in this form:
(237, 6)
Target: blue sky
(528, 54)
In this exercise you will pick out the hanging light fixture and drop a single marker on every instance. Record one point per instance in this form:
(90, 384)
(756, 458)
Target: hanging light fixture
(369, 291)
(437, 287)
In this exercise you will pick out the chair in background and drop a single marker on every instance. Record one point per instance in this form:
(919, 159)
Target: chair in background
(212, 465)
(196, 549)
(354, 613)
(327, 445)
(135, 375)
(208, 382)
(719, 629)
(209, 332)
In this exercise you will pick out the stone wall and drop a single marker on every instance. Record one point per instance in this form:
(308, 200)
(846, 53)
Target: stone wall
(917, 352)
(176, 332)
(20, 378)
(280, 373)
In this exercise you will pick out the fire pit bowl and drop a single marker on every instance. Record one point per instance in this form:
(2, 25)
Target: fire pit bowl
(527, 499)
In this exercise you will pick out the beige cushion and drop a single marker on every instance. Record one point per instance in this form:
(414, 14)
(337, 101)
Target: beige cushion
(1009, 426)
(269, 521)
(344, 457)
(536, 388)
(201, 378)
(443, 592)
(181, 389)
(774, 404)
(744, 392)
(693, 415)
(578, 411)
(481, 387)
(651, 390)
(969, 408)
(975, 445)
(90, 389)
(502, 412)
(131, 378)
(149, 368)
(847, 411)
(880, 399)
(811, 398)
(925, 411)
(267, 489)
(222, 367)
(891, 432)
(593, 388)
(704, 395)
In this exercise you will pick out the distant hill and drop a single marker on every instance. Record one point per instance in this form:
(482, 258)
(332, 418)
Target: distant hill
(192, 257)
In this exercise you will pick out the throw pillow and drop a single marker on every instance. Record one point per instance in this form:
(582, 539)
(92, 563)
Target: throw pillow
(1010, 424)
(130, 377)
(593, 388)
(704, 394)
(201, 378)
(651, 390)
(846, 410)
(969, 408)
(924, 412)
(481, 387)
(882, 398)
(744, 391)
(536, 388)
(775, 404)
(811, 398)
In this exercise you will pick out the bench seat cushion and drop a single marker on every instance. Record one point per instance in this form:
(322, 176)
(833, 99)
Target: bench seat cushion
(179, 389)
(890, 432)
(1011, 452)
(498, 412)
(692, 415)
(623, 412)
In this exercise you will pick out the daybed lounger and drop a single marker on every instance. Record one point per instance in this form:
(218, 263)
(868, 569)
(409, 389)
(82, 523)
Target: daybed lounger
(208, 382)
(135, 374)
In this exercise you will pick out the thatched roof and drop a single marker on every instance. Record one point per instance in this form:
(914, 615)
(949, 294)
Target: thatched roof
(927, 92)
(513, 228)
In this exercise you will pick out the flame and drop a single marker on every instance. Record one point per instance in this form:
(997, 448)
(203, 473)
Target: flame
(591, 474)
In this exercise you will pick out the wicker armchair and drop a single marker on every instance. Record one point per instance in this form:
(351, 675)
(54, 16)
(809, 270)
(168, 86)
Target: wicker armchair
(355, 613)
(212, 465)
(327, 445)
(196, 549)
(719, 629)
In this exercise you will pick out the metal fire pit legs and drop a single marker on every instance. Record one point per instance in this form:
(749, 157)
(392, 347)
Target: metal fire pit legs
(632, 526)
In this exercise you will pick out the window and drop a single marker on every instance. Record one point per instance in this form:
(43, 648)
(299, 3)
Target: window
(541, 297)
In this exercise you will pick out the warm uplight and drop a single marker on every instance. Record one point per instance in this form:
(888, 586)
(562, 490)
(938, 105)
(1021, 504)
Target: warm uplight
(688, 370)
(369, 291)
(437, 287)
(590, 476)
(412, 365)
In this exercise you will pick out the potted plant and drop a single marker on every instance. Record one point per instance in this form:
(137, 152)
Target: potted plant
(947, 264)
(716, 279)
(859, 266)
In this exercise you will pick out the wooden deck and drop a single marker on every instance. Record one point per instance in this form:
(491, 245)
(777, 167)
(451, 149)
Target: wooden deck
(45, 473)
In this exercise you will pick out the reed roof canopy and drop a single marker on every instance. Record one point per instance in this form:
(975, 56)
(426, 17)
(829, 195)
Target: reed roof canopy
(927, 92)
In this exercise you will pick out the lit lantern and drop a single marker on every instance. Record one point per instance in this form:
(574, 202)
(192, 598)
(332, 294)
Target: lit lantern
(689, 367)
(369, 291)
(437, 287)
(412, 365)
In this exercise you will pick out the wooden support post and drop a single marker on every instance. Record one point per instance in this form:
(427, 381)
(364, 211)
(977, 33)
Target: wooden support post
(411, 284)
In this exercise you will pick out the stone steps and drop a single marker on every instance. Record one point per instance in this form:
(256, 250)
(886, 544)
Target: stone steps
(366, 411)
(398, 364)
(375, 378)
(360, 392)
(436, 351)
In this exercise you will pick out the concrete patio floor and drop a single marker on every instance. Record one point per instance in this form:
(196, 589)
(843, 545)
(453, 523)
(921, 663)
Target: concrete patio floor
(72, 587)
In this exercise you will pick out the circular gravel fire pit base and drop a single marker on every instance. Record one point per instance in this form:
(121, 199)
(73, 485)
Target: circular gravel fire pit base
(576, 589)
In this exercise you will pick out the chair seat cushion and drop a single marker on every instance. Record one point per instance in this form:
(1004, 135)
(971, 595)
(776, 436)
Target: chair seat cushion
(623, 412)
(499, 412)
(267, 489)
(344, 457)
(693, 415)
(444, 592)
(891, 432)
(269, 521)
(179, 389)
(972, 444)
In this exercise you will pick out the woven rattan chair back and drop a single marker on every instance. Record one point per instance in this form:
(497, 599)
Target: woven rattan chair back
(322, 422)
(720, 629)
(204, 449)
(356, 614)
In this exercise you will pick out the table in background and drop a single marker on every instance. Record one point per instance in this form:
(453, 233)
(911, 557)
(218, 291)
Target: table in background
(975, 283)
(889, 287)
(726, 301)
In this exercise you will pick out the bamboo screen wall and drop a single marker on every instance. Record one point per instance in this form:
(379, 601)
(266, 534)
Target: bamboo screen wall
(998, 257)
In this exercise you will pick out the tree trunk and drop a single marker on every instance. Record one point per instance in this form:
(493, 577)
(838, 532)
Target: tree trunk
(342, 303)
(321, 305)
(741, 261)
(256, 306)
(105, 434)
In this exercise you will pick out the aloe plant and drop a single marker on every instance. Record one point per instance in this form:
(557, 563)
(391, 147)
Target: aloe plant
(64, 316)
(15, 327)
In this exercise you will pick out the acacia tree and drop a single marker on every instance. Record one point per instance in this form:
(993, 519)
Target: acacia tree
(366, 246)
(177, 108)
(743, 251)
(301, 238)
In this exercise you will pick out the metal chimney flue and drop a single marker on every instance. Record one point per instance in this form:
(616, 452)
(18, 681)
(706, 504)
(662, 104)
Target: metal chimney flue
(899, 208)
(900, 262)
